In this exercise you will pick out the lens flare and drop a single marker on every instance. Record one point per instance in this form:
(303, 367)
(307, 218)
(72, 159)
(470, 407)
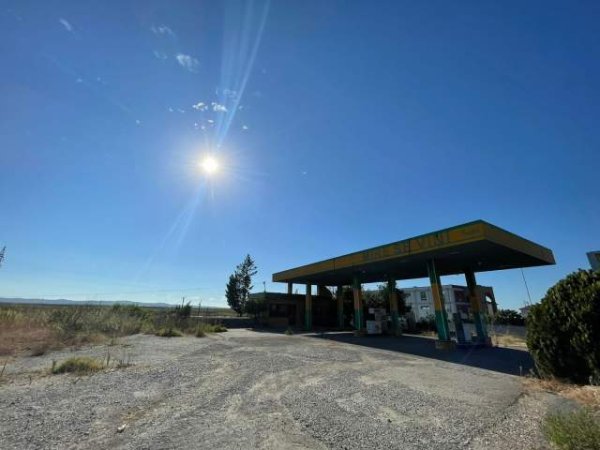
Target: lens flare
(209, 165)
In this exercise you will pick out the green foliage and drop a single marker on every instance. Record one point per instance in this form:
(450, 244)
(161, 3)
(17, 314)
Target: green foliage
(232, 294)
(78, 364)
(563, 330)
(183, 311)
(289, 331)
(577, 430)
(237, 290)
(509, 317)
(380, 298)
(169, 331)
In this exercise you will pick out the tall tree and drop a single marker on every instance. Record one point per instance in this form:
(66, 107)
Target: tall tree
(245, 271)
(239, 285)
(232, 293)
(2, 252)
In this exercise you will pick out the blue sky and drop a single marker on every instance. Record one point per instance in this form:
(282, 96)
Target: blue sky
(339, 125)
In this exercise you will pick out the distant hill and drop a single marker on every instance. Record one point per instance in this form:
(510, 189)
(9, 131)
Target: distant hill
(62, 301)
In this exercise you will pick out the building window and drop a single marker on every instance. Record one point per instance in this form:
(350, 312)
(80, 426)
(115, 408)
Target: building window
(423, 296)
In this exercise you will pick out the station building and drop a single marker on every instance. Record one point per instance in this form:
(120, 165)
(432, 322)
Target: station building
(464, 249)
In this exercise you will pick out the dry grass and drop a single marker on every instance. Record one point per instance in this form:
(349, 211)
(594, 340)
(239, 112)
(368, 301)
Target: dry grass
(573, 430)
(508, 340)
(79, 365)
(21, 333)
(36, 329)
(588, 396)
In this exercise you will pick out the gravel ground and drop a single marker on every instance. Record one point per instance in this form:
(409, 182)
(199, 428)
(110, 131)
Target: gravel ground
(245, 389)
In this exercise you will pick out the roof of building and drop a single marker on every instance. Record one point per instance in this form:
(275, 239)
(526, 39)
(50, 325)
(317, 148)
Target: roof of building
(477, 245)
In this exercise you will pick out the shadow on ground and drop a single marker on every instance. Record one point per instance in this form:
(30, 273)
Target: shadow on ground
(505, 360)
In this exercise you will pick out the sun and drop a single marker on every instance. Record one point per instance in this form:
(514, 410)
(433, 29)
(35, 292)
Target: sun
(210, 165)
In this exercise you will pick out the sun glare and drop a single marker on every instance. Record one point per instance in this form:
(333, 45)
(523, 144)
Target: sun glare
(209, 165)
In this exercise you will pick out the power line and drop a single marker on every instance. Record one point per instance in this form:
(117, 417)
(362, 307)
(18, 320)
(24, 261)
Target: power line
(528, 303)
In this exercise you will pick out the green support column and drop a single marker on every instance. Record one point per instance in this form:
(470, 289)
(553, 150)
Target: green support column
(394, 307)
(358, 306)
(340, 306)
(441, 317)
(475, 302)
(308, 308)
(290, 288)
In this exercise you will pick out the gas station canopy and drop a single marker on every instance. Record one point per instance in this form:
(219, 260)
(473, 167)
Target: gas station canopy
(477, 246)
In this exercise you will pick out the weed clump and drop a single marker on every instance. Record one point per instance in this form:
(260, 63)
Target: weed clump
(169, 332)
(78, 365)
(289, 331)
(205, 328)
(577, 430)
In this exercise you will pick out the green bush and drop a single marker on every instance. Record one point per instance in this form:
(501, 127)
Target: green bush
(578, 430)
(563, 330)
(509, 317)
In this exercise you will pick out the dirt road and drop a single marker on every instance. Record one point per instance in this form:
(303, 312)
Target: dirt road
(245, 389)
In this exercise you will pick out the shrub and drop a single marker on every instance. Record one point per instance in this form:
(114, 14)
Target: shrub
(509, 317)
(577, 430)
(169, 332)
(563, 330)
(183, 311)
(79, 365)
(200, 332)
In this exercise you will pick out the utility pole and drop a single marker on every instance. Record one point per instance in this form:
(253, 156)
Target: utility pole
(528, 303)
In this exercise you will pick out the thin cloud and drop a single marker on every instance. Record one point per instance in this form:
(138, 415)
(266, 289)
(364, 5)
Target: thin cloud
(65, 23)
(162, 29)
(217, 107)
(187, 62)
(160, 55)
(200, 106)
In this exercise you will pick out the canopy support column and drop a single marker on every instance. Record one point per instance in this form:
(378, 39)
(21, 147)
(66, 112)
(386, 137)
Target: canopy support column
(441, 317)
(475, 301)
(393, 294)
(308, 308)
(290, 288)
(358, 306)
(340, 306)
